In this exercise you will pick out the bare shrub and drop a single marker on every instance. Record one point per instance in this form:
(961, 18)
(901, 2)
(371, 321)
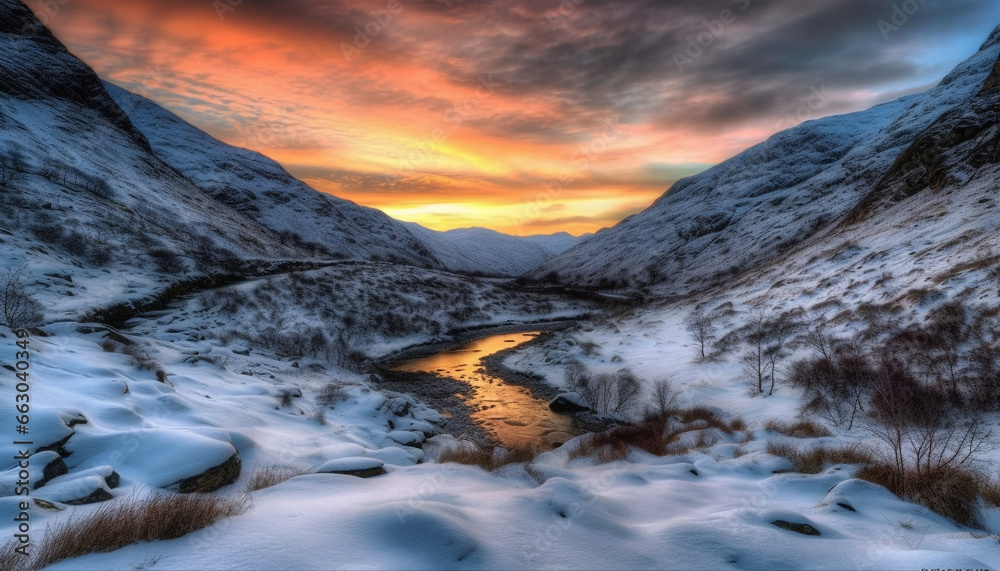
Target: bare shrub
(814, 460)
(657, 434)
(836, 385)
(269, 476)
(950, 492)
(331, 394)
(167, 261)
(19, 309)
(610, 392)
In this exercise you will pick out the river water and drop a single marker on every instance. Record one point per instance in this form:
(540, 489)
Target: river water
(509, 412)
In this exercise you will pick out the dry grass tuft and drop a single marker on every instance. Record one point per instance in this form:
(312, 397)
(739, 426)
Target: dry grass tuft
(123, 522)
(801, 429)
(489, 460)
(269, 476)
(813, 460)
(950, 492)
(989, 490)
(653, 436)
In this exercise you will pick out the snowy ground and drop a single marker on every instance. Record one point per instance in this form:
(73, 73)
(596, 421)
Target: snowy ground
(711, 508)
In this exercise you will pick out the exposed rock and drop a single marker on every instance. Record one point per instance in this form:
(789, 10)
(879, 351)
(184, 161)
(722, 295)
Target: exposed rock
(568, 403)
(211, 479)
(98, 495)
(113, 480)
(53, 466)
(47, 505)
(407, 438)
(360, 467)
(803, 528)
(59, 447)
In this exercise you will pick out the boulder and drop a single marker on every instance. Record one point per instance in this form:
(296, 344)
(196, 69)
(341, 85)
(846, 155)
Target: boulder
(97, 496)
(803, 528)
(359, 466)
(211, 479)
(52, 465)
(407, 438)
(568, 403)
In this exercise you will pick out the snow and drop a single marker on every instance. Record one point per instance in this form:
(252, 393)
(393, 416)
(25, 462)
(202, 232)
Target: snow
(746, 212)
(237, 384)
(484, 251)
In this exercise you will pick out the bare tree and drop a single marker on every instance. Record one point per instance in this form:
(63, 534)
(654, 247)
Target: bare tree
(19, 308)
(664, 397)
(702, 328)
(767, 338)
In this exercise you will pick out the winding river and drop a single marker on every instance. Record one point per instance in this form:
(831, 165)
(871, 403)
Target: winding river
(509, 412)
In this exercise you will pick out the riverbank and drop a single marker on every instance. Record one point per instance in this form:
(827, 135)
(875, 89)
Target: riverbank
(460, 337)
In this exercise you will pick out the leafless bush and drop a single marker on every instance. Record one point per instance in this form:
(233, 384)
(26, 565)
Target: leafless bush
(167, 261)
(331, 394)
(19, 308)
(837, 384)
(609, 392)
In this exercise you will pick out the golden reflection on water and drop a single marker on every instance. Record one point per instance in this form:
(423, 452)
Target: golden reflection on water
(508, 411)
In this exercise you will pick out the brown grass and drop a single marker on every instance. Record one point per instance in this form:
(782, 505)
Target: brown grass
(801, 429)
(269, 476)
(949, 492)
(989, 490)
(813, 461)
(489, 460)
(123, 522)
(651, 435)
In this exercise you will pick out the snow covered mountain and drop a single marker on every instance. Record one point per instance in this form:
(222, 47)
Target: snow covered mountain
(747, 211)
(488, 252)
(262, 190)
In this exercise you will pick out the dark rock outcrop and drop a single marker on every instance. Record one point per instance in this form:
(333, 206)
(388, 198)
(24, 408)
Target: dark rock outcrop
(211, 479)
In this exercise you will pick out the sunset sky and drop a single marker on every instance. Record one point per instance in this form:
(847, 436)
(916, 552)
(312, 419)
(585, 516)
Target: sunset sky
(523, 116)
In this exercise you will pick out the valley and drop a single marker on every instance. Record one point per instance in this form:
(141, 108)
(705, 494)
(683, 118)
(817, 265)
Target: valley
(789, 360)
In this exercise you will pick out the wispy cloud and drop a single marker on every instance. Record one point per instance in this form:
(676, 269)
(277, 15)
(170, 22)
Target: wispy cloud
(383, 102)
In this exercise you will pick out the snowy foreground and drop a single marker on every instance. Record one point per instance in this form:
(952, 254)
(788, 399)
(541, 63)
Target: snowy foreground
(710, 508)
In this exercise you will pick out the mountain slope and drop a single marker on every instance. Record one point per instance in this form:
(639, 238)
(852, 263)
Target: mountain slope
(82, 193)
(488, 252)
(262, 190)
(750, 209)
